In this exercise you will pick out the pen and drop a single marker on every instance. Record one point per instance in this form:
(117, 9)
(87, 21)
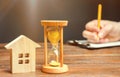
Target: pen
(99, 15)
(99, 18)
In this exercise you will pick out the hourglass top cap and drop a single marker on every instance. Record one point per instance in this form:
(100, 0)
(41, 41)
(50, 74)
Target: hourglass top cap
(54, 22)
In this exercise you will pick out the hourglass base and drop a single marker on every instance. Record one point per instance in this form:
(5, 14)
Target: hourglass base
(50, 69)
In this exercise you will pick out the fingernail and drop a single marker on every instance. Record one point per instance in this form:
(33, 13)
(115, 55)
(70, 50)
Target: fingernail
(106, 40)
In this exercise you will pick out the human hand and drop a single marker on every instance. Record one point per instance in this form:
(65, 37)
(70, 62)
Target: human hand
(109, 31)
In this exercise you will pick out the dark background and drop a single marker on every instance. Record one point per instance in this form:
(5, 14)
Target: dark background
(23, 16)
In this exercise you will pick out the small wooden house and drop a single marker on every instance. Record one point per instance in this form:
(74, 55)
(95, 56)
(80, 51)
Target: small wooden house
(22, 55)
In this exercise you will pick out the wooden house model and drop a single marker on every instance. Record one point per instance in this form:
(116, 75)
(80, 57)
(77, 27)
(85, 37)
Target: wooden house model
(22, 55)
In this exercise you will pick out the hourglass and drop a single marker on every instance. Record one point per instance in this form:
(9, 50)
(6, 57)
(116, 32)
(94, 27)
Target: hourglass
(53, 57)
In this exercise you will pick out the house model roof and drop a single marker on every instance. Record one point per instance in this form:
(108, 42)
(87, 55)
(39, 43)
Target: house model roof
(21, 40)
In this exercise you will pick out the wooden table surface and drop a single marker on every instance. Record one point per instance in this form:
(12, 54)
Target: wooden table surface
(82, 62)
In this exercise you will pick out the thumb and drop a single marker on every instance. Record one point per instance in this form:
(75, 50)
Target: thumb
(105, 31)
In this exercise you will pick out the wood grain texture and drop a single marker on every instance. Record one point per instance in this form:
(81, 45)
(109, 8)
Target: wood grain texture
(81, 62)
(54, 22)
(22, 54)
(60, 23)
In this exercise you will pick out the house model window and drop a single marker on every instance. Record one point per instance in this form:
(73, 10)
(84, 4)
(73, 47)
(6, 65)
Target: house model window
(23, 58)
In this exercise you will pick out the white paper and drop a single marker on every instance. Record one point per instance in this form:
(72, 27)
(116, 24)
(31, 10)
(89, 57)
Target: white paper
(87, 44)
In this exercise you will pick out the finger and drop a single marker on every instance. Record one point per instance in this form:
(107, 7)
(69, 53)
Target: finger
(105, 31)
(90, 35)
(92, 41)
(110, 39)
(99, 41)
(92, 26)
(104, 40)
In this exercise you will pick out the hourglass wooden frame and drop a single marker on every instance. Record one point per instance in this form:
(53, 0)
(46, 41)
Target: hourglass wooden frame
(46, 67)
